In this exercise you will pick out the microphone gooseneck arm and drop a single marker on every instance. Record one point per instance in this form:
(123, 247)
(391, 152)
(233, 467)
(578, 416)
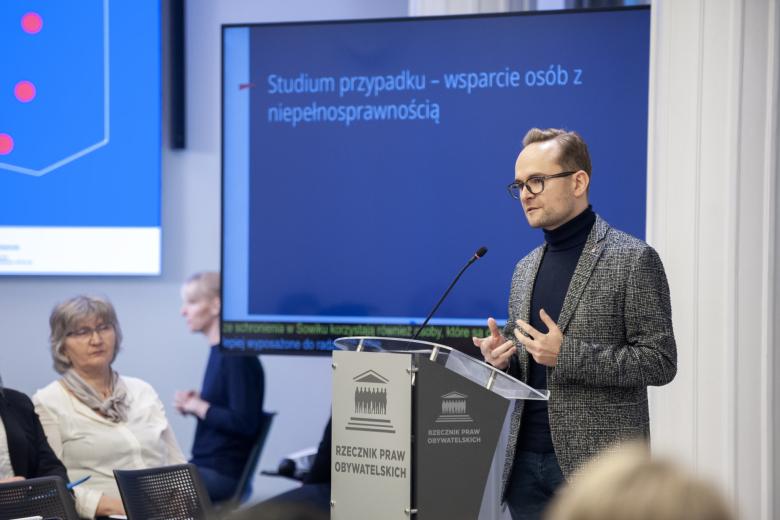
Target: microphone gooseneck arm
(479, 254)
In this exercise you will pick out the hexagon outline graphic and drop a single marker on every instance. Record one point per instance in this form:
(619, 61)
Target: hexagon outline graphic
(106, 116)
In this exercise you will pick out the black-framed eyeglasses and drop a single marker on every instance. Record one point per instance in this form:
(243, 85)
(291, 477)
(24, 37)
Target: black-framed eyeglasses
(534, 184)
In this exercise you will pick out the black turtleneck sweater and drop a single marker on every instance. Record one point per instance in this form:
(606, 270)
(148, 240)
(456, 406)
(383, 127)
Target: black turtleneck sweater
(564, 247)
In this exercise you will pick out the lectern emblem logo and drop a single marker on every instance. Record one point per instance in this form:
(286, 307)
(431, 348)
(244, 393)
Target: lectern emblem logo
(370, 404)
(453, 409)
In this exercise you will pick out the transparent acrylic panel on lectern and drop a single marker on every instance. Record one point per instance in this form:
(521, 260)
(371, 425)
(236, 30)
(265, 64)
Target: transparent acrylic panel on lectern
(472, 369)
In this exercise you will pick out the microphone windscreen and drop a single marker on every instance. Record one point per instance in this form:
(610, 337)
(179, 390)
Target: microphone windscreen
(287, 468)
(481, 252)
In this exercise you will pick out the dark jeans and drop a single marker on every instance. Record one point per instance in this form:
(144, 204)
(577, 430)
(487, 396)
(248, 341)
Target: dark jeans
(220, 486)
(535, 479)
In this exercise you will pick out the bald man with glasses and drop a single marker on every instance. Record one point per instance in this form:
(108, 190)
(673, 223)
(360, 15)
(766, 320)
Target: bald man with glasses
(589, 319)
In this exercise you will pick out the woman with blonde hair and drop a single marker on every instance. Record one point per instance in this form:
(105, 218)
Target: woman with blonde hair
(230, 403)
(96, 420)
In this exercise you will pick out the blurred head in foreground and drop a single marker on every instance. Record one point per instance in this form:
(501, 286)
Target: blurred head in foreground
(628, 485)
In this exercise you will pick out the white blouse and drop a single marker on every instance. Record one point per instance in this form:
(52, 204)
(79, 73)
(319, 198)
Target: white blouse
(89, 444)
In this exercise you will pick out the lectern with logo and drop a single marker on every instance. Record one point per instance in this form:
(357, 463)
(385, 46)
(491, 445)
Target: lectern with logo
(415, 428)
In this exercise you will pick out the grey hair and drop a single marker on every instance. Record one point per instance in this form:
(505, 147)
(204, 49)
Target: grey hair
(66, 316)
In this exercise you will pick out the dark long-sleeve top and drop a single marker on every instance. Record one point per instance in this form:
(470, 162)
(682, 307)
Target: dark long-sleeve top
(234, 387)
(564, 247)
(30, 453)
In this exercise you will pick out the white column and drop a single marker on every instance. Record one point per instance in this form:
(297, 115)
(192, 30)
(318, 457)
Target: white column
(712, 165)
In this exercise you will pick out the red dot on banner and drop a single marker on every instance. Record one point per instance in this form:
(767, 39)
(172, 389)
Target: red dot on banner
(32, 23)
(6, 144)
(24, 91)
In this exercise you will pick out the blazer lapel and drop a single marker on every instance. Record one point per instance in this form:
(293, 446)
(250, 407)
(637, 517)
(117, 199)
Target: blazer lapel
(523, 299)
(14, 432)
(587, 262)
(524, 311)
(3, 407)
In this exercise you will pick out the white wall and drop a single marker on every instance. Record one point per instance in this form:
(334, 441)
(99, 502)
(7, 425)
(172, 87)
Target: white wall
(157, 346)
(712, 171)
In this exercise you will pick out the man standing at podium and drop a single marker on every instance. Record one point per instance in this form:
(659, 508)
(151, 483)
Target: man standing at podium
(589, 319)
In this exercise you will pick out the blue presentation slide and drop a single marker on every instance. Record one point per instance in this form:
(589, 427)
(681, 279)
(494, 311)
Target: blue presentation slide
(80, 118)
(365, 162)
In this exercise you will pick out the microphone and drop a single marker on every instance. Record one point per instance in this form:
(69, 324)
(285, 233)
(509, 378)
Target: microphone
(479, 254)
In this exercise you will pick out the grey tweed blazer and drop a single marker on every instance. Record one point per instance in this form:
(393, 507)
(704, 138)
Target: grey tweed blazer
(616, 321)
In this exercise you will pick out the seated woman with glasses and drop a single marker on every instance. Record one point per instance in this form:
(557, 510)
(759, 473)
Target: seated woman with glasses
(95, 419)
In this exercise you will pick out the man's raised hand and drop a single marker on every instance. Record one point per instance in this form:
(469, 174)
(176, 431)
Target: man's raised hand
(496, 349)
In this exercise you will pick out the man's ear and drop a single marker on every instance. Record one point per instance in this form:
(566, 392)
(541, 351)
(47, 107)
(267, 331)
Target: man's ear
(582, 182)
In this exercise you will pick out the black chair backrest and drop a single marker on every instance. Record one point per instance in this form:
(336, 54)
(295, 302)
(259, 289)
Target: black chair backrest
(247, 476)
(164, 493)
(44, 496)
